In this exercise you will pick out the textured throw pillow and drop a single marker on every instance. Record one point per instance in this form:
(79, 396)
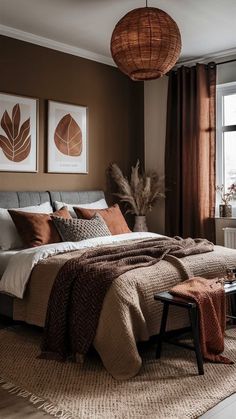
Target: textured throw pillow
(100, 204)
(9, 237)
(37, 229)
(75, 229)
(112, 216)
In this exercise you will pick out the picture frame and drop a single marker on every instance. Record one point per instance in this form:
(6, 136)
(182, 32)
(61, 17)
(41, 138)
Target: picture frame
(67, 138)
(18, 133)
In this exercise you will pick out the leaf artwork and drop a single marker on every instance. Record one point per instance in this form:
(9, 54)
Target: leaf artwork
(68, 136)
(16, 144)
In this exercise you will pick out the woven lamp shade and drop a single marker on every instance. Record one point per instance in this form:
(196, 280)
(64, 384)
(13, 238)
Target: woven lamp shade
(146, 43)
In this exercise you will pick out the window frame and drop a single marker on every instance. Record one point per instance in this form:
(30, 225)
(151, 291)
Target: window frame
(221, 91)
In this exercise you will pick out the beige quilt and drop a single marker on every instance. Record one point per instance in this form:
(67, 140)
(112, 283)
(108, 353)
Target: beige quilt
(129, 312)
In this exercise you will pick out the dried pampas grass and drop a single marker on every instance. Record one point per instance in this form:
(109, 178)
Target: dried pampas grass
(141, 192)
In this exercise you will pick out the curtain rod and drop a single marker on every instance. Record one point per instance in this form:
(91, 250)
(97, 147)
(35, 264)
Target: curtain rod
(209, 64)
(226, 62)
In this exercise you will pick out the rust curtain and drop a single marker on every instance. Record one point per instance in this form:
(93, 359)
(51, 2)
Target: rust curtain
(190, 152)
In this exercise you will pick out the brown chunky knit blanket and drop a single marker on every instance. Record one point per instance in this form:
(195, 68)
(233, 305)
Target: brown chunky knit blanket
(210, 297)
(80, 287)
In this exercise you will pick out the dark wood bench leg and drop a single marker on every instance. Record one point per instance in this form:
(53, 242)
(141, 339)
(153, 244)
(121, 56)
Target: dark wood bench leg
(162, 328)
(193, 316)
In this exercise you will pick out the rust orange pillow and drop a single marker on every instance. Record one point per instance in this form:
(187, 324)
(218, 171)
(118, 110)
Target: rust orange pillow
(112, 216)
(37, 229)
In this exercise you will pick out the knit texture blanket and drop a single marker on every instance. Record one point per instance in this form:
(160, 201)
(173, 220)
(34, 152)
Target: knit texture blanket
(81, 285)
(210, 297)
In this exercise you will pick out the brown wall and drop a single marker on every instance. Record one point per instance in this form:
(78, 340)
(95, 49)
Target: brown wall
(115, 107)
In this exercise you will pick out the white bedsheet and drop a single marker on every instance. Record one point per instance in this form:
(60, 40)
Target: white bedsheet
(17, 272)
(5, 256)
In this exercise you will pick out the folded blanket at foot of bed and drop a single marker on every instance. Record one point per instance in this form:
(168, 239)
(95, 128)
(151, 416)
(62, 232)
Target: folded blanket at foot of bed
(210, 298)
(81, 285)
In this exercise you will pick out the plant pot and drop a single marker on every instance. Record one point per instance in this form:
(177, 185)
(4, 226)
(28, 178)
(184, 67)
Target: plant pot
(140, 223)
(225, 210)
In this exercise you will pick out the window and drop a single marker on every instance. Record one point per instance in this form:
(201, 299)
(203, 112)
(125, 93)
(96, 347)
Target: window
(226, 136)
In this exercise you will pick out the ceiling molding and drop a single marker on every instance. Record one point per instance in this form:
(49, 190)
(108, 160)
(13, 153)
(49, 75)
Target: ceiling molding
(217, 56)
(58, 46)
(89, 55)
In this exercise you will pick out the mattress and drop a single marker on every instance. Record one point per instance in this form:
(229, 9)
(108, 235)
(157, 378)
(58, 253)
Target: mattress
(5, 256)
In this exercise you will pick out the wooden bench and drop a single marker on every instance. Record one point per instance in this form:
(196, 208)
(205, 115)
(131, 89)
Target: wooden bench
(167, 299)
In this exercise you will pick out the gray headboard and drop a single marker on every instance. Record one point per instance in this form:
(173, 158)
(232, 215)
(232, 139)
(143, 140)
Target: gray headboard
(22, 199)
(83, 197)
(26, 199)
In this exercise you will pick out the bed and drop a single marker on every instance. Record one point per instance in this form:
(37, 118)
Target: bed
(129, 312)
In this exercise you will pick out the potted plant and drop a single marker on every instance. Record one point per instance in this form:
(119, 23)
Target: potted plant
(225, 208)
(140, 193)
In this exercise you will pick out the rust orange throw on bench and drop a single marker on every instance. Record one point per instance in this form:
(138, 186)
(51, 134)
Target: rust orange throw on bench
(210, 297)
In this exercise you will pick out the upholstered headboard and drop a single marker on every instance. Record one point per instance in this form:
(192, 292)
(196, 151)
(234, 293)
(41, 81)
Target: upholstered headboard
(26, 199)
(83, 197)
(22, 199)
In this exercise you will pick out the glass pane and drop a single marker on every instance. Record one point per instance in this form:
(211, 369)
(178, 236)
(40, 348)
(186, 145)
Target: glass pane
(229, 158)
(230, 109)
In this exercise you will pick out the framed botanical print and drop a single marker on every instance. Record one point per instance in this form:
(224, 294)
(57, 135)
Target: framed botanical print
(67, 138)
(18, 133)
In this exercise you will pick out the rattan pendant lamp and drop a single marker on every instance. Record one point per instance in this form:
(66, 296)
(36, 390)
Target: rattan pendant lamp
(146, 43)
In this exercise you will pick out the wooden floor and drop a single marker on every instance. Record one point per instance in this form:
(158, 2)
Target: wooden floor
(12, 407)
(224, 410)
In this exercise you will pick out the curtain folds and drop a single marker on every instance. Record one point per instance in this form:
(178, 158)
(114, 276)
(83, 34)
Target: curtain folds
(190, 152)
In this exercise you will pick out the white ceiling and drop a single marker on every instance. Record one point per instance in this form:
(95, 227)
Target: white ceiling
(206, 26)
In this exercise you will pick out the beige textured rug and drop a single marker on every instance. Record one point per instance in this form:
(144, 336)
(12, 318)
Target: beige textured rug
(166, 388)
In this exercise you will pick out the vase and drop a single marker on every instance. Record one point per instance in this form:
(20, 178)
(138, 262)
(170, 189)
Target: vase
(225, 210)
(140, 223)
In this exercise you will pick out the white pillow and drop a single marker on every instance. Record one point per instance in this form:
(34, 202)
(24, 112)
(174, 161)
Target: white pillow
(9, 237)
(100, 204)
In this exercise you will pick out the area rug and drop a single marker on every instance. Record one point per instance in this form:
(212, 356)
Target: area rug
(166, 388)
